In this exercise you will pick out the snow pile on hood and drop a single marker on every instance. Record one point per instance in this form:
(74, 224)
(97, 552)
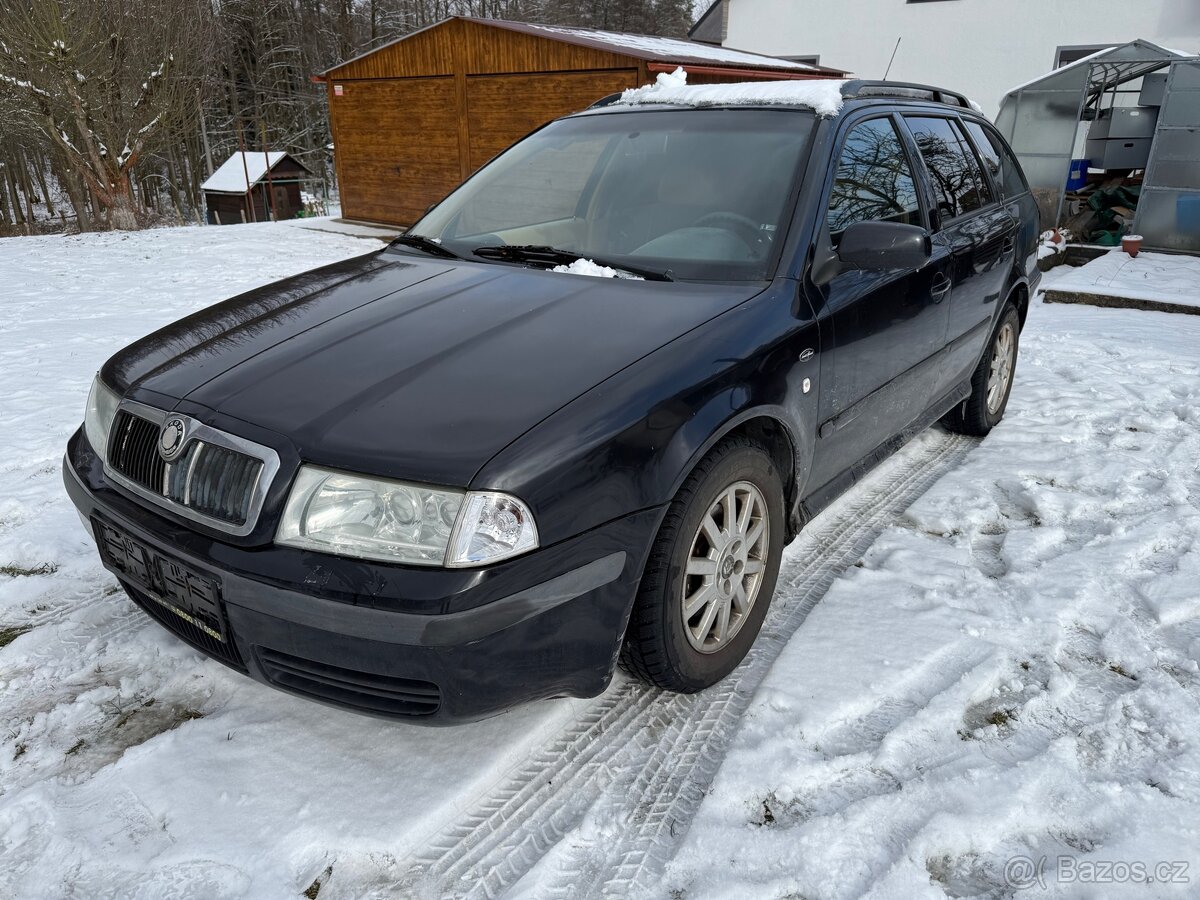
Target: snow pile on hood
(587, 267)
(823, 96)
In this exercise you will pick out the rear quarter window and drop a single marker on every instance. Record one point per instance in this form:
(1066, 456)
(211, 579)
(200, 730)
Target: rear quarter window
(1006, 171)
(958, 180)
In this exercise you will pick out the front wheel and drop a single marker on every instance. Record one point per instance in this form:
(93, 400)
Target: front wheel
(992, 382)
(711, 573)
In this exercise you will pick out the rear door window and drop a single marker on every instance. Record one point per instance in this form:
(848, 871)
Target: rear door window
(874, 180)
(958, 181)
(1006, 172)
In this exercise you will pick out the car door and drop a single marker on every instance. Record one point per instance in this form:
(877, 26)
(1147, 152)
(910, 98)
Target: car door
(1009, 181)
(976, 229)
(882, 331)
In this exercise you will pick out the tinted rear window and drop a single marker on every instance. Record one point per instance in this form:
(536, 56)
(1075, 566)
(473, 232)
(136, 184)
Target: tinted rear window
(1006, 172)
(958, 181)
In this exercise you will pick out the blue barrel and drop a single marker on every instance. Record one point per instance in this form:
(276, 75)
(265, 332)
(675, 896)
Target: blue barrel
(1079, 174)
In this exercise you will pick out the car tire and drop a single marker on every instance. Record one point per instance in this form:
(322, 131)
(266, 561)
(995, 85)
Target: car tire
(992, 382)
(698, 557)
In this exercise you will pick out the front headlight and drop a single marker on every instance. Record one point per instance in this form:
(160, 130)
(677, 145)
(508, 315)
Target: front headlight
(377, 518)
(98, 417)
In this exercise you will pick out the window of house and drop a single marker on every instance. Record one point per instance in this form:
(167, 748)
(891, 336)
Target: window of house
(953, 167)
(807, 60)
(999, 159)
(1064, 56)
(874, 180)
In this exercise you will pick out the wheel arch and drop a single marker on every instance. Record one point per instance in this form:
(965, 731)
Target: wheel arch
(1018, 295)
(768, 428)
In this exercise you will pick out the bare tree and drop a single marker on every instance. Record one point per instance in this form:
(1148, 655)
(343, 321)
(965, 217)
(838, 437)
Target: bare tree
(99, 81)
(124, 107)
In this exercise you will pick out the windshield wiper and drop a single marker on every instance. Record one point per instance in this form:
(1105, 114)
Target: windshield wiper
(552, 256)
(429, 245)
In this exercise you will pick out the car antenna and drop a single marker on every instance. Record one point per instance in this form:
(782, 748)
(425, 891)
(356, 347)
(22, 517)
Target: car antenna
(893, 59)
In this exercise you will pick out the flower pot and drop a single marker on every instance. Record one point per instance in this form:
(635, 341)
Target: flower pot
(1132, 244)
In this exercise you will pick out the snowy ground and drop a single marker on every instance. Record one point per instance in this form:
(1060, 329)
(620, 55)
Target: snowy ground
(1161, 277)
(1007, 670)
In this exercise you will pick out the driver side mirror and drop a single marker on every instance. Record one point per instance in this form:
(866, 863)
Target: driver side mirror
(885, 245)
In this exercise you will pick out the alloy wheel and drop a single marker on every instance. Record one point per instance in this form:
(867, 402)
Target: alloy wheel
(1000, 373)
(725, 567)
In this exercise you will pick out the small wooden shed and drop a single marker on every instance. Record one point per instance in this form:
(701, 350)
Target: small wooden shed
(241, 191)
(414, 118)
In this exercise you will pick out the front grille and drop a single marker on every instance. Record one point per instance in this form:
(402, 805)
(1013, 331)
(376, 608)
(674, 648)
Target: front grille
(210, 480)
(366, 691)
(201, 640)
(133, 450)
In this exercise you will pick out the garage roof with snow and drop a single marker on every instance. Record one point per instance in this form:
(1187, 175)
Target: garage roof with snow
(648, 48)
(230, 177)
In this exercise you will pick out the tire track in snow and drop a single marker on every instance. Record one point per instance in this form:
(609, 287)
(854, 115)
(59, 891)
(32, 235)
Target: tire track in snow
(600, 810)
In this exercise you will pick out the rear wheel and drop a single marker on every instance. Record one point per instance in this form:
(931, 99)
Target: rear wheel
(711, 572)
(992, 382)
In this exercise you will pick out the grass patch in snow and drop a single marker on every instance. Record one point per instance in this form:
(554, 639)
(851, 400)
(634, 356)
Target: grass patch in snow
(15, 571)
(1120, 670)
(147, 718)
(314, 889)
(1001, 717)
(8, 634)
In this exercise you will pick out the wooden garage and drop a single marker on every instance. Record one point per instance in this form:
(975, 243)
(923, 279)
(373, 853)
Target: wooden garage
(412, 119)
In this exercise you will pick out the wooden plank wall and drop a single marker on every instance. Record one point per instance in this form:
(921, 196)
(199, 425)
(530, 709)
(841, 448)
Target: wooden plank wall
(416, 117)
(495, 122)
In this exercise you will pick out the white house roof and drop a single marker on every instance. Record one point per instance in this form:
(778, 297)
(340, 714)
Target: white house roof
(230, 177)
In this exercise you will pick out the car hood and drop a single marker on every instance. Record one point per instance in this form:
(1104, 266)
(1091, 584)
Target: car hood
(402, 367)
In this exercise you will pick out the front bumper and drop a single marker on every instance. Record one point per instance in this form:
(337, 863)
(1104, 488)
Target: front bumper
(435, 645)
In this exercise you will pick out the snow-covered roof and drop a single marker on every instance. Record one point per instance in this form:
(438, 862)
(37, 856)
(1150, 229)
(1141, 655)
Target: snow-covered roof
(230, 177)
(823, 96)
(667, 49)
(671, 51)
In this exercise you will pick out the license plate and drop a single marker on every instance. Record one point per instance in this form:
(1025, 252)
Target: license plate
(191, 596)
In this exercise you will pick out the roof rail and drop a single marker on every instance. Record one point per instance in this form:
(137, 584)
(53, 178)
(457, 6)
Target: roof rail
(606, 101)
(861, 89)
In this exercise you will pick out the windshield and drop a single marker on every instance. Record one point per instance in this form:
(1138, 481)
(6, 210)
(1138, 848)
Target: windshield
(697, 193)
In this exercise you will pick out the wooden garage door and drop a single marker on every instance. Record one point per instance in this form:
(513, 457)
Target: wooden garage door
(502, 109)
(396, 146)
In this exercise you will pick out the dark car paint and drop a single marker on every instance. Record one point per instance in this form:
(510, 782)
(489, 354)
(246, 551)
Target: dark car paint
(366, 364)
(426, 353)
(536, 627)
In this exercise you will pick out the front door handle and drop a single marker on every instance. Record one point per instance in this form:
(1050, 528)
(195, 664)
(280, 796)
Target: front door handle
(940, 287)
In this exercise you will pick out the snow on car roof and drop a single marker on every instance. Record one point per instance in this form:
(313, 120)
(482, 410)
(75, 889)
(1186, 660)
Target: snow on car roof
(823, 96)
(230, 177)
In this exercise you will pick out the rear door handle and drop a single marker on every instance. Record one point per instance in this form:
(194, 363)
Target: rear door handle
(940, 287)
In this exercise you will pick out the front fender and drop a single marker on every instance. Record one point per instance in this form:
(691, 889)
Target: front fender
(629, 443)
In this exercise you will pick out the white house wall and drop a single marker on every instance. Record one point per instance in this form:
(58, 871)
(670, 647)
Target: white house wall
(979, 47)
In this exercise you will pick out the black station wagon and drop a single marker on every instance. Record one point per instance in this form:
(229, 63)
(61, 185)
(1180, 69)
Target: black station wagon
(461, 473)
